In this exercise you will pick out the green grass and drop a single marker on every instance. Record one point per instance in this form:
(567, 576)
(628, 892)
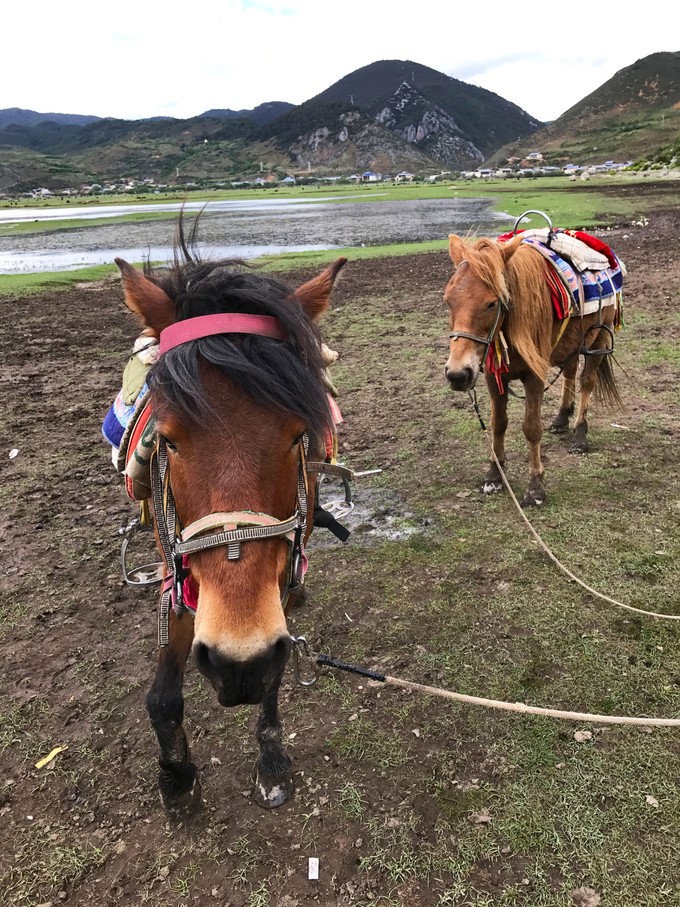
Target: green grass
(470, 604)
(57, 226)
(32, 284)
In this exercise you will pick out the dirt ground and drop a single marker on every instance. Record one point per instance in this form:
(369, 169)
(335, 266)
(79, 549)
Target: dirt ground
(78, 645)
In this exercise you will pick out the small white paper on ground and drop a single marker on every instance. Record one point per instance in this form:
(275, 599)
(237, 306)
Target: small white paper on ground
(313, 871)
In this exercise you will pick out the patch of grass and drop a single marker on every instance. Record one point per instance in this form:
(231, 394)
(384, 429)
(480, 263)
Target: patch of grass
(45, 862)
(32, 284)
(248, 858)
(359, 740)
(351, 801)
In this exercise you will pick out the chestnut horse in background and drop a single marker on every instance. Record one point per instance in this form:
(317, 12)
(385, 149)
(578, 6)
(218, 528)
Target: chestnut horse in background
(501, 286)
(238, 395)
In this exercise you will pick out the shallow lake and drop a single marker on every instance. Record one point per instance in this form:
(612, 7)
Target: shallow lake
(242, 229)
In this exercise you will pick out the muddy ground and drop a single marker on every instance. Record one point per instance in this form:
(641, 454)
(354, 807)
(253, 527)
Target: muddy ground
(401, 799)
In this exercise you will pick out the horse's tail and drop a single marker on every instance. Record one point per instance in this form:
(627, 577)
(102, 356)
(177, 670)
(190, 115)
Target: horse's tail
(606, 388)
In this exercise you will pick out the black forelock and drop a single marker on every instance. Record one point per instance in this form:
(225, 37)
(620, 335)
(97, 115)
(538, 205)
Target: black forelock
(281, 374)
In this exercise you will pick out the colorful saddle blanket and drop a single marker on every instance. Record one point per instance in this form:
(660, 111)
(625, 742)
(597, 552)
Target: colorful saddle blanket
(129, 426)
(584, 274)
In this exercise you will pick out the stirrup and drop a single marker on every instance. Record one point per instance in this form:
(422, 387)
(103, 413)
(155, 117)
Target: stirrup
(339, 507)
(146, 574)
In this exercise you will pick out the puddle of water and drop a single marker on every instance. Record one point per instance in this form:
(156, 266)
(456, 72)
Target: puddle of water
(255, 230)
(379, 515)
(32, 262)
(91, 212)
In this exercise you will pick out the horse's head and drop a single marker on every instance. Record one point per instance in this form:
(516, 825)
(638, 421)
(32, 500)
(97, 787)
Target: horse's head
(477, 298)
(231, 411)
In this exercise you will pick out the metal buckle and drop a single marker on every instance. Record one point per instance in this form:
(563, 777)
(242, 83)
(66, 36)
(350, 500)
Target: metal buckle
(300, 643)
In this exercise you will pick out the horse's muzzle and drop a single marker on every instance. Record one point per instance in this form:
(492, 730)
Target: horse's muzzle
(463, 379)
(242, 682)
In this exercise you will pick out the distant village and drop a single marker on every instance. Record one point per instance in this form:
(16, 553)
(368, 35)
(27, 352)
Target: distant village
(531, 166)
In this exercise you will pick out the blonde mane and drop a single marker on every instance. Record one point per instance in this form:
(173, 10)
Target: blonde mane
(519, 281)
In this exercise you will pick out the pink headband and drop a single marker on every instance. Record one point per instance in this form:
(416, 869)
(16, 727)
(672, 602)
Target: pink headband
(224, 323)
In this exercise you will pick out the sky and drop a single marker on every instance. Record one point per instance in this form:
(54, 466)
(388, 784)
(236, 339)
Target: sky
(141, 58)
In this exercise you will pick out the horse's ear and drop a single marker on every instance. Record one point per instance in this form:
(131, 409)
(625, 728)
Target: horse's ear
(314, 296)
(509, 248)
(456, 249)
(147, 300)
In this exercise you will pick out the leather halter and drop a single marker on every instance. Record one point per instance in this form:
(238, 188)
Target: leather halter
(233, 528)
(503, 307)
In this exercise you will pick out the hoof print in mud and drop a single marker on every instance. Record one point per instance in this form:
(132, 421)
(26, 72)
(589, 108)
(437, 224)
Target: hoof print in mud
(271, 794)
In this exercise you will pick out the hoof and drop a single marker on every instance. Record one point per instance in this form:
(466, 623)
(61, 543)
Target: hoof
(558, 428)
(184, 805)
(272, 793)
(493, 486)
(533, 499)
(579, 447)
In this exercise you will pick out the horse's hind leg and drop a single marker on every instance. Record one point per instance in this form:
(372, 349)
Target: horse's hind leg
(533, 431)
(588, 381)
(561, 421)
(493, 483)
(177, 779)
(588, 378)
(273, 777)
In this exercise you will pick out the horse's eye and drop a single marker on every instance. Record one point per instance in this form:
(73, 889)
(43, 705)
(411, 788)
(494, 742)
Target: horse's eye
(171, 447)
(297, 440)
(492, 305)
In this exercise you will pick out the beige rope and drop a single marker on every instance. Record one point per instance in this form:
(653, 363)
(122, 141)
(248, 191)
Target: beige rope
(532, 709)
(556, 561)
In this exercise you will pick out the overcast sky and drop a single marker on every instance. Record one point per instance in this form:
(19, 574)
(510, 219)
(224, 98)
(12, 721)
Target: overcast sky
(140, 58)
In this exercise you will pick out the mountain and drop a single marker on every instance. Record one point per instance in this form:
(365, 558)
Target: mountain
(389, 116)
(395, 115)
(629, 117)
(449, 120)
(261, 114)
(17, 116)
(338, 138)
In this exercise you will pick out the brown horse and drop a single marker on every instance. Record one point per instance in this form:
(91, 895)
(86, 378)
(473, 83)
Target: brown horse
(239, 398)
(499, 301)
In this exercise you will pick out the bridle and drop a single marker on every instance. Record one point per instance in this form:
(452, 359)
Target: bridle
(503, 307)
(216, 530)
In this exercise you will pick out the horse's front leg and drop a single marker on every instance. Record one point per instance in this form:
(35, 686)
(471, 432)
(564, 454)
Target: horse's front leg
(273, 776)
(177, 779)
(493, 483)
(533, 431)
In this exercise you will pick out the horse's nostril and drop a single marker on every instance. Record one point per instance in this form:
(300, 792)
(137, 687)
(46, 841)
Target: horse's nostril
(460, 379)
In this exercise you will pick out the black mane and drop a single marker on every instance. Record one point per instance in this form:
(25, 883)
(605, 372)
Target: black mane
(285, 375)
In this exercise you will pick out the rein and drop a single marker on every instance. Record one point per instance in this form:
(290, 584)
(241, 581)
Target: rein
(233, 528)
